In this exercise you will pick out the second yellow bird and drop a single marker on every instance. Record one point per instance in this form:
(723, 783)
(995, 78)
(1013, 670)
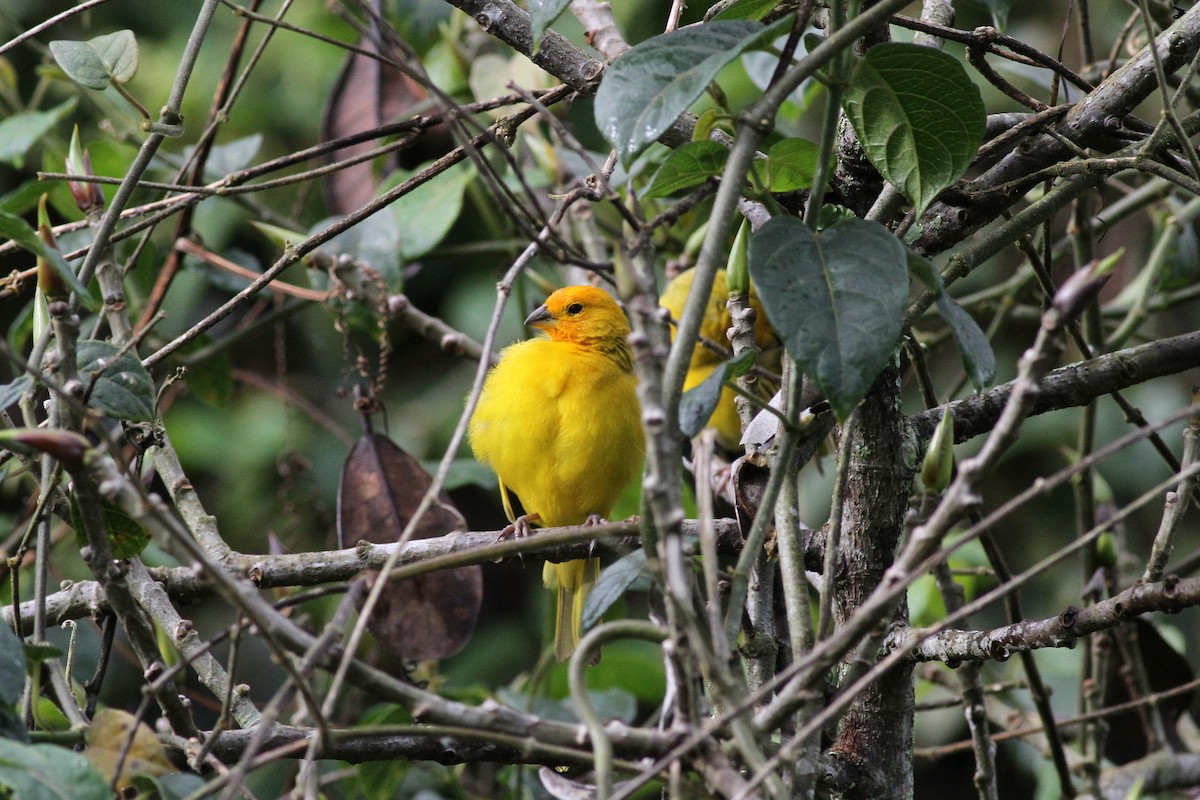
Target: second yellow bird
(704, 361)
(559, 422)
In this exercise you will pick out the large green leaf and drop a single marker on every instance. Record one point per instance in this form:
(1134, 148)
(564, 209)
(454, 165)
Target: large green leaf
(792, 165)
(837, 299)
(425, 214)
(95, 63)
(648, 87)
(918, 116)
(20, 132)
(123, 388)
(48, 772)
(688, 166)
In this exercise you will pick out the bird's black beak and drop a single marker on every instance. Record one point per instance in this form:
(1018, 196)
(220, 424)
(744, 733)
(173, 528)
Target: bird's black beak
(541, 314)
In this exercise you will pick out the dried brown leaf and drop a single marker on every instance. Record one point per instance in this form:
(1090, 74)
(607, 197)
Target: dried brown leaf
(428, 617)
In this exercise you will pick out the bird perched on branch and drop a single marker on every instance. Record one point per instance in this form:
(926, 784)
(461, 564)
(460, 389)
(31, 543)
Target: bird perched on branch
(705, 360)
(559, 421)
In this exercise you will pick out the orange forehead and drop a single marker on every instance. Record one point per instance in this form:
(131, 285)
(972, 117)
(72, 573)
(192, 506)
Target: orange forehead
(589, 296)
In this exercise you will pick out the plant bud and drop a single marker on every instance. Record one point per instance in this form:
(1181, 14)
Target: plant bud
(49, 281)
(938, 465)
(86, 195)
(737, 275)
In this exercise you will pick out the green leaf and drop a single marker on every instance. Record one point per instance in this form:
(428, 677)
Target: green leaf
(761, 66)
(687, 166)
(425, 215)
(922, 269)
(210, 379)
(225, 159)
(81, 62)
(831, 214)
(12, 726)
(629, 572)
(119, 52)
(178, 786)
(281, 237)
(747, 9)
(123, 388)
(126, 537)
(614, 703)
(375, 242)
(792, 165)
(22, 131)
(542, 14)
(97, 62)
(15, 228)
(646, 89)
(175, 786)
(918, 116)
(11, 392)
(698, 403)
(999, 10)
(48, 772)
(25, 197)
(37, 653)
(12, 667)
(973, 345)
(837, 298)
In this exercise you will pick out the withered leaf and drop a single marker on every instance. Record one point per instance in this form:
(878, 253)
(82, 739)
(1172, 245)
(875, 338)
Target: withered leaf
(108, 746)
(369, 94)
(428, 617)
(749, 485)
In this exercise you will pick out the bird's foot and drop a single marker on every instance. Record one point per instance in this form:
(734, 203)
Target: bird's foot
(519, 528)
(592, 521)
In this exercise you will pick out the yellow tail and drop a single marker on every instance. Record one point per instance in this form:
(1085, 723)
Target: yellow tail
(573, 580)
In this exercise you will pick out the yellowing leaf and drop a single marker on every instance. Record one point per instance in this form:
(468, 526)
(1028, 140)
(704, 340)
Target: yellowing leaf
(106, 740)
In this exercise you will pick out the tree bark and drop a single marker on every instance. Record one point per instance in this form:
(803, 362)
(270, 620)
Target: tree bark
(874, 740)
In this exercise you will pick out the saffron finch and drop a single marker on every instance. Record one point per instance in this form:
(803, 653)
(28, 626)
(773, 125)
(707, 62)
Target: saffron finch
(705, 360)
(559, 421)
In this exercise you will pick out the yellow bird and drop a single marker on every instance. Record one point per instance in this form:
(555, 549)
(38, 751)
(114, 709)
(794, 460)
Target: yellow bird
(559, 421)
(713, 327)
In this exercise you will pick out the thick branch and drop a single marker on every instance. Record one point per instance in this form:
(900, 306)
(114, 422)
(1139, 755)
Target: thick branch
(412, 743)
(557, 55)
(85, 598)
(1169, 596)
(1070, 386)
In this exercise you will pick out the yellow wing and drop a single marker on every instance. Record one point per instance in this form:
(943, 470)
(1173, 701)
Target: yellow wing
(714, 327)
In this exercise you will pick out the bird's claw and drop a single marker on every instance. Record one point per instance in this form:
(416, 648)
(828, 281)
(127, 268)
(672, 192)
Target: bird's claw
(519, 528)
(592, 521)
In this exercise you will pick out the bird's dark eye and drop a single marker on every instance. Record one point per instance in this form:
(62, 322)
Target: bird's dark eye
(574, 308)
